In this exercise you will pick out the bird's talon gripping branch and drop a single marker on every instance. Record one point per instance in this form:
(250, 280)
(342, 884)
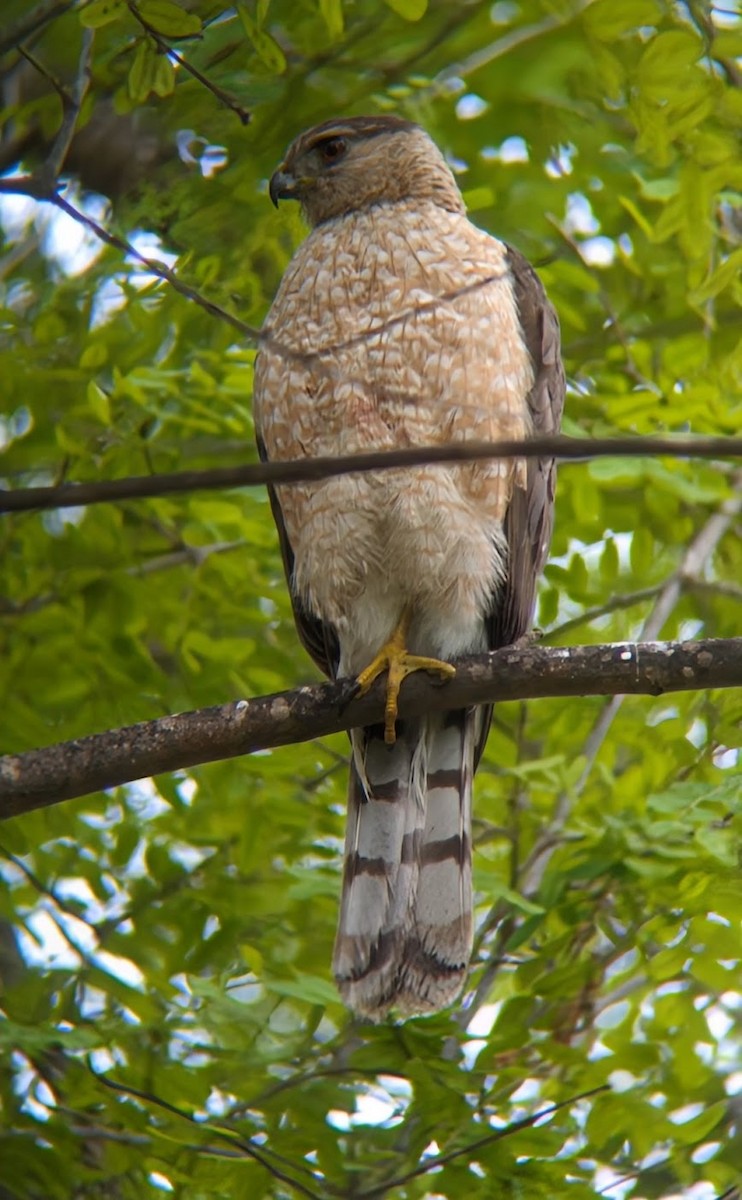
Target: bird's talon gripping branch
(399, 663)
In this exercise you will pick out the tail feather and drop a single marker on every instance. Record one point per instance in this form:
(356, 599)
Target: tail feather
(405, 930)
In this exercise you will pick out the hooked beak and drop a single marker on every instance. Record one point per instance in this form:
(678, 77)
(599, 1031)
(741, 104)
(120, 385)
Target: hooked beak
(283, 186)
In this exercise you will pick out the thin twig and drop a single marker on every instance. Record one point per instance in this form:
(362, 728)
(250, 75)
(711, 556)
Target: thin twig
(320, 358)
(615, 604)
(223, 97)
(308, 470)
(440, 1160)
(85, 956)
(165, 48)
(28, 185)
(48, 173)
(261, 1154)
(715, 587)
(192, 556)
(44, 71)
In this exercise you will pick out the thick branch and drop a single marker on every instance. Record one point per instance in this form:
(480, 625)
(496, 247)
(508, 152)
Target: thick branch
(565, 449)
(42, 777)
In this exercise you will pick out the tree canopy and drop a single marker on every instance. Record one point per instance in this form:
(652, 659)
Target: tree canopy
(169, 1022)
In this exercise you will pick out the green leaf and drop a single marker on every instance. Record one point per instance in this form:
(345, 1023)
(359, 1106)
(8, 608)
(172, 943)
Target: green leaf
(548, 606)
(168, 19)
(164, 77)
(267, 49)
(609, 564)
(697, 1130)
(663, 66)
(725, 275)
(411, 10)
(478, 198)
(102, 12)
(642, 554)
(499, 890)
(309, 988)
(638, 216)
(332, 15)
(142, 71)
(608, 21)
(98, 403)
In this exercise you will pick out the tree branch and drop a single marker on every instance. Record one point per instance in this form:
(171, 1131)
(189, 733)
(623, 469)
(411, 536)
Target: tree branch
(48, 173)
(105, 760)
(309, 470)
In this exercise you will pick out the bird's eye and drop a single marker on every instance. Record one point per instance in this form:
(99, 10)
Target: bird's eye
(332, 149)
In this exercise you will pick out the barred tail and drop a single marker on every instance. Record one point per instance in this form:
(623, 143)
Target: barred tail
(405, 930)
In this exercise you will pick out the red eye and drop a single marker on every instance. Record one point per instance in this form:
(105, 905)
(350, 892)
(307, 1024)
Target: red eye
(332, 149)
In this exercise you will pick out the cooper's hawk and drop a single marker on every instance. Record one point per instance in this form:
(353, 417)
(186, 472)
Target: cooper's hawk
(405, 325)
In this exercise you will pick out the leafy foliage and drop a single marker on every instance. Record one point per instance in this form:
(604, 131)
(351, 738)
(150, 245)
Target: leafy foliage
(169, 1021)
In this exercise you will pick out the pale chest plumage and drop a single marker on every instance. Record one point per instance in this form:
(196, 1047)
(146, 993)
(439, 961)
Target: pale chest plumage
(406, 317)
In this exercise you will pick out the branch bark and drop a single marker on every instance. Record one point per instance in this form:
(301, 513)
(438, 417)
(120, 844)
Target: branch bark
(43, 777)
(565, 449)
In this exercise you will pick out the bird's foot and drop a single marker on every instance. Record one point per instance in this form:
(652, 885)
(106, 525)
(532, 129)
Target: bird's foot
(395, 659)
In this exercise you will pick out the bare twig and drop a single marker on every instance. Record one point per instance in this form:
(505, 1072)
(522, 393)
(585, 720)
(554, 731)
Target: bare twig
(38, 65)
(615, 604)
(307, 470)
(223, 97)
(716, 587)
(43, 777)
(192, 556)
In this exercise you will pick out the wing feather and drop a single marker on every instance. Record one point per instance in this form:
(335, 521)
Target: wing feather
(529, 518)
(318, 638)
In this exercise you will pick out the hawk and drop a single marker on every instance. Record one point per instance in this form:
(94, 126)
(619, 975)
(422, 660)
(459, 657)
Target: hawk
(399, 323)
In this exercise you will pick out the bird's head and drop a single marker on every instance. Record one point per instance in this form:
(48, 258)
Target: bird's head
(347, 165)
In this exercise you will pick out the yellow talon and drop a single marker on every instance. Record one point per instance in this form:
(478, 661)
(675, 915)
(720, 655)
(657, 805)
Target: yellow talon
(395, 659)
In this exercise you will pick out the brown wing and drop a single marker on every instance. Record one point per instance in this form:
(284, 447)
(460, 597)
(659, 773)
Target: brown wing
(319, 639)
(530, 516)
